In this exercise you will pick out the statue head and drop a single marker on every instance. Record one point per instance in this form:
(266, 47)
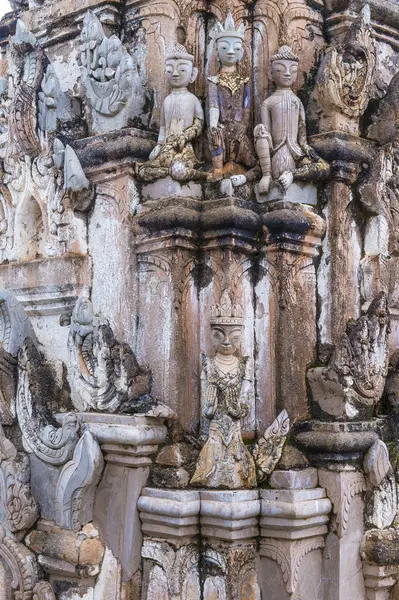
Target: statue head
(284, 68)
(179, 67)
(229, 42)
(227, 323)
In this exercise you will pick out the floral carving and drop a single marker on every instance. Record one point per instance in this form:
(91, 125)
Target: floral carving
(267, 451)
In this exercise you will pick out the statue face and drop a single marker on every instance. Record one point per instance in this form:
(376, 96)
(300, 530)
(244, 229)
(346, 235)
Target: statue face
(230, 50)
(179, 72)
(226, 338)
(284, 73)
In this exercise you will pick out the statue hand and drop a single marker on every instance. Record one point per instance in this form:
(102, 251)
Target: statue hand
(156, 152)
(237, 180)
(264, 184)
(286, 179)
(180, 143)
(260, 131)
(209, 410)
(312, 154)
(216, 135)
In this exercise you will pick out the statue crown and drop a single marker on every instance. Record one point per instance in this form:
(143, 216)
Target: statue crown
(179, 52)
(284, 53)
(229, 29)
(227, 313)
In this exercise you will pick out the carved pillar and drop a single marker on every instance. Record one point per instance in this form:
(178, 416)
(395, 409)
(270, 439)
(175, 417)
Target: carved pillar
(294, 516)
(379, 581)
(229, 527)
(127, 443)
(293, 236)
(170, 524)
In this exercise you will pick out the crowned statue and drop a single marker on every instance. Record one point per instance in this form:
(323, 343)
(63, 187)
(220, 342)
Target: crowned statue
(229, 104)
(225, 462)
(182, 120)
(280, 139)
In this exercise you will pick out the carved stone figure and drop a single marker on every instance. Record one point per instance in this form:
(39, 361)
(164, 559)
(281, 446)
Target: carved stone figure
(229, 101)
(225, 461)
(110, 78)
(104, 373)
(267, 451)
(182, 120)
(47, 101)
(352, 383)
(280, 140)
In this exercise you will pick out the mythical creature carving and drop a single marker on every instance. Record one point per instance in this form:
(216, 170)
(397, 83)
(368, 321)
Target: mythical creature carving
(382, 497)
(229, 101)
(280, 139)
(76, 485)
(352, 383)
(28, 57)
(36, 392)
(225, 461)
(104, 373)
(182, 120)
(346, 73)
(110, 78)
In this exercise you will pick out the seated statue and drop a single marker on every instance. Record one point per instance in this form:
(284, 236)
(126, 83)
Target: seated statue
(229, 102)
(182, 120)
(280, 140)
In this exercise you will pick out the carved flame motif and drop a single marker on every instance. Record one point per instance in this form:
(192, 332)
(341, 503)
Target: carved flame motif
(107, 66)
(347, 70)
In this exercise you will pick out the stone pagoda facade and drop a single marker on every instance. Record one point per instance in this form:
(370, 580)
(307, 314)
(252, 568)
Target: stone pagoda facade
(199, 300)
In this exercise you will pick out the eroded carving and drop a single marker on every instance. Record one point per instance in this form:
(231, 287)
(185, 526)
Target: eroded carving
(104, 374)
(47, 101)
(352, 384)
(346, 76)
(76, 485)
(109, 73)
(267, 451)
(382, 499)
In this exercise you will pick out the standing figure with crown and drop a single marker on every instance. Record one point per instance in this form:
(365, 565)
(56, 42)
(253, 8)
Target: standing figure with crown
(229, 103)
(225, 461)
(182, 120)
(281, 140)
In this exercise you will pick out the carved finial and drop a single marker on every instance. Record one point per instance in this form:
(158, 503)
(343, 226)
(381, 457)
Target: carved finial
(226, 313)
(74, 177)
(179, 52)
(284, 53)
(23, 35)
(229, 28)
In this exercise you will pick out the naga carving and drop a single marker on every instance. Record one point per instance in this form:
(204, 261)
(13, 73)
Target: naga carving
(382, 496)
(104, 373)
(352, 383)
(28, 57)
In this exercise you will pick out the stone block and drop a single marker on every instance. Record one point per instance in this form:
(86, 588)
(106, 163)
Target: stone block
(169, 514)
(294, 480)
(229, 515)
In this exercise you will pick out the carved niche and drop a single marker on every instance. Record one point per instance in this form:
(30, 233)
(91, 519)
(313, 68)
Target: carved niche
(346, 76)
(112, 84)
(351, 385)
(104, 374)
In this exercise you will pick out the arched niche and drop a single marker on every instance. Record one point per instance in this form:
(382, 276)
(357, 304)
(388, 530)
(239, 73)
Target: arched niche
(30, 231)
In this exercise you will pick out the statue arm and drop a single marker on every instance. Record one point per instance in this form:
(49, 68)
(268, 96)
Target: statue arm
(162, 127)
(214, 107)
(190, 133)
(246, 106)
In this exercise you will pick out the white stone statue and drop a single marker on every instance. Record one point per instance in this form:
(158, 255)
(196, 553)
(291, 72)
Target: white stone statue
(280, 139)
(182, 120)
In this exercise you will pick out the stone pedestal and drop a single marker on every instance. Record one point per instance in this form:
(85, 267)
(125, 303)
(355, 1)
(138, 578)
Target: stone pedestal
(229, 527)
(379, 580)
(293, 528)
(170, 524)
(127, 443)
